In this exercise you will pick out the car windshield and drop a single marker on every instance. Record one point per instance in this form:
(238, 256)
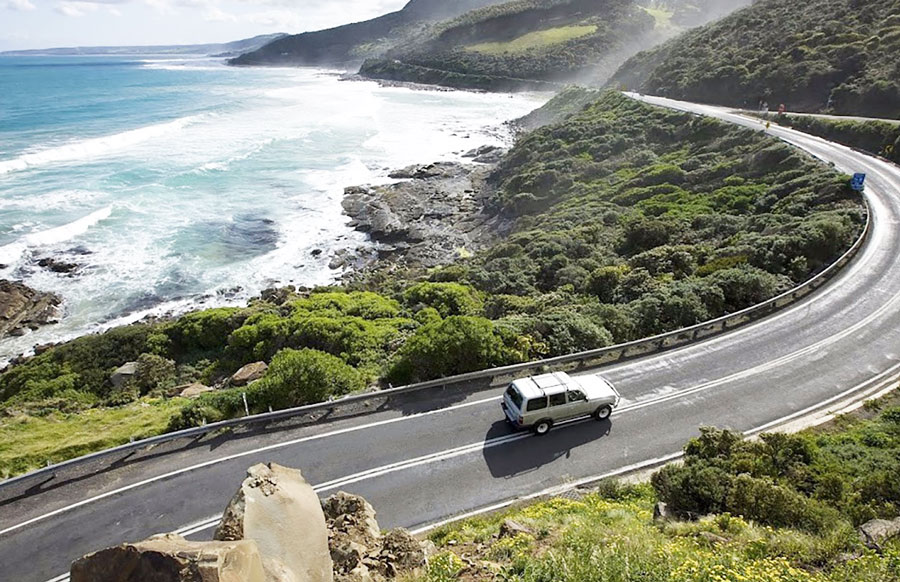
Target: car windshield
(514, 396)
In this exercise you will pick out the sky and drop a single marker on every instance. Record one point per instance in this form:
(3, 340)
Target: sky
(35, 24)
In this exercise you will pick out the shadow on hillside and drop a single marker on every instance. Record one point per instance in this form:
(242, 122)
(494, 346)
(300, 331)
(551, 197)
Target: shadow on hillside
(530, 453)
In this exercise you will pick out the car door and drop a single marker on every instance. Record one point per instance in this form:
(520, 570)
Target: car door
(578, 403)
(559, 406)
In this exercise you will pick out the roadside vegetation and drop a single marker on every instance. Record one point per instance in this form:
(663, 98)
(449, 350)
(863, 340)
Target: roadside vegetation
(623, 221)
(835, 56)
(784, 508)
(881, 138)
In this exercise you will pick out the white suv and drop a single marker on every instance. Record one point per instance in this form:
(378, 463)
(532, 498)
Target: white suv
(538, 402)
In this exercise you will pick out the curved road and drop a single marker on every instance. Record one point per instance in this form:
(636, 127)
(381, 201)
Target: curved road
(421, 465)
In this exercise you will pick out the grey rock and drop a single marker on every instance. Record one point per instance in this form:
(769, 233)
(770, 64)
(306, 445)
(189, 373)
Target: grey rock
(191, 390)
(249, 373)
(171, 558)
(661, 512)
(123, 374)
(58, 266)
(876, 532)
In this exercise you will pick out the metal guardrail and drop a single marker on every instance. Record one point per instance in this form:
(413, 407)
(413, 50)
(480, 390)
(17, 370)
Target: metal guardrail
(370, 402)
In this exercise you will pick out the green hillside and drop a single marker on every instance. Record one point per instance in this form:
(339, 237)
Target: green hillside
(818, 55)
(511, 45)
(357, 41)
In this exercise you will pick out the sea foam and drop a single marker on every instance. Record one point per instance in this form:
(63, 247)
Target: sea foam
(95, 147)
(11, 252)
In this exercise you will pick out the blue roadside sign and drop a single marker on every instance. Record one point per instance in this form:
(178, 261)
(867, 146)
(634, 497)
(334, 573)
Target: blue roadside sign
(858, 182)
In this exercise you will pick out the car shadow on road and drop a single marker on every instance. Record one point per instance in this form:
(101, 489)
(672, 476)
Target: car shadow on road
(508, 459)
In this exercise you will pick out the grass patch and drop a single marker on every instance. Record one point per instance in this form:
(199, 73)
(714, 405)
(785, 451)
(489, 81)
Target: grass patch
(29, 442)
(533, 40)
(663, 18)
(610, 534)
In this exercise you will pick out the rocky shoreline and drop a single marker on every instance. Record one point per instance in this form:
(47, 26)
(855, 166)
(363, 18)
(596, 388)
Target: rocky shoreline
(23, 308)
(432, 215)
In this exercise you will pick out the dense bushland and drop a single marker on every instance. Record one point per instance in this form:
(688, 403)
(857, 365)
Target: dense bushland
(629, 221)
(623, 221)
(778, 510)
(831, 55)
(878, 137)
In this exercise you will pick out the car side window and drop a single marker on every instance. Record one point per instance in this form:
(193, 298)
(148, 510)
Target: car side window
(536, 404)
(577, 396)
(557, 399)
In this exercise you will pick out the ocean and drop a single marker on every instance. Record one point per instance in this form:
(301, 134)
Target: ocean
(177, 184)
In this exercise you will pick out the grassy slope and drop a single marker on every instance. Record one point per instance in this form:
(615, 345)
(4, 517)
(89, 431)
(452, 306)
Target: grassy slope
(782, 51)
(610, 535)
(28, 442)
(624, 221)
(533, 40)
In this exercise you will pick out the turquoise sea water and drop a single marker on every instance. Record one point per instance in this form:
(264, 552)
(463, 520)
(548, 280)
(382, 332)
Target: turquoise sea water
(178, 183)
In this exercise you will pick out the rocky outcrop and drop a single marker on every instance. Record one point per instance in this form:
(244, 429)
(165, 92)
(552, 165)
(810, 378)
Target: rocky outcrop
(275, 529)
(249, 373)
(876, 532)
(433, 217)
(358, 550)
(171, 558)
(58, 266)
(23, 308)
(276, 508)
(486, 154)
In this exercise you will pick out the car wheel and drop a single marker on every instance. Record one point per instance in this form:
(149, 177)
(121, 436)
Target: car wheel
(603, 412)
(542, 427)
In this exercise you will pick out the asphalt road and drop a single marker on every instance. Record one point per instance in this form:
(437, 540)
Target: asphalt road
(420, 465)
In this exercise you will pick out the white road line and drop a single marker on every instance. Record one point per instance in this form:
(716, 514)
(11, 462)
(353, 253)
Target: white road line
(235, 456)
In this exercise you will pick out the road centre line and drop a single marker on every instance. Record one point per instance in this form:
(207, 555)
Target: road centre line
(238, 456)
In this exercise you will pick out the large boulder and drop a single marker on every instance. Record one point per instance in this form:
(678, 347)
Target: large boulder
(171, 558)
(23, 308)
(123, 374)
(276, 508)
(249, 373)
(876, 532)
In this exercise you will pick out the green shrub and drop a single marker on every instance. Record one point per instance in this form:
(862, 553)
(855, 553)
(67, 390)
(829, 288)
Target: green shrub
(448, 298)
(153, 372)
(455, 345)
(294, 378)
